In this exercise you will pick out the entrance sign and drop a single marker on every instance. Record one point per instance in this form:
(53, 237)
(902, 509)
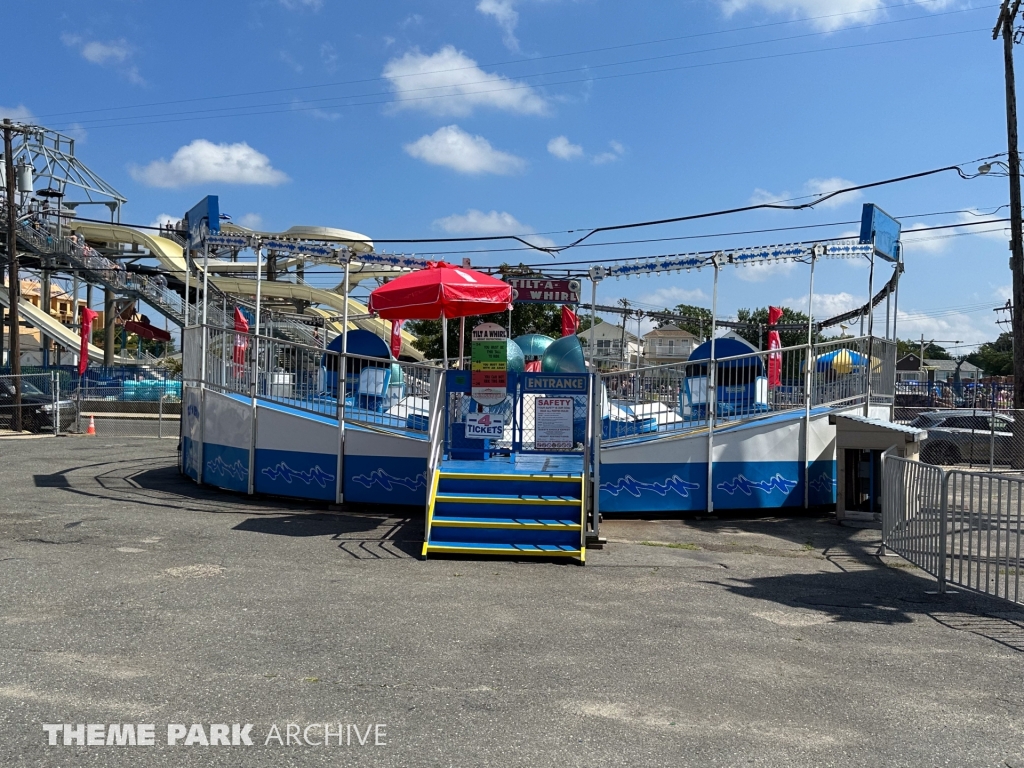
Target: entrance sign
(553, 423)
(544, 290)
(484, 425)
(489, 364)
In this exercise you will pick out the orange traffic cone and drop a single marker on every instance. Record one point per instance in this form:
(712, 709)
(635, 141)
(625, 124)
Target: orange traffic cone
(92, 426)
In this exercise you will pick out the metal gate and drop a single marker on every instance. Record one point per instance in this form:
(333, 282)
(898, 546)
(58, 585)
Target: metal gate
(963, 528)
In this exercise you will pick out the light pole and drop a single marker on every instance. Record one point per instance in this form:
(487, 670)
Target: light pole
(1004, 26)
(14, 289)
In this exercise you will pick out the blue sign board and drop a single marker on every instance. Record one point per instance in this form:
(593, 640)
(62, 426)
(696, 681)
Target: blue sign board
(203, 220)
(880, 229)
(555, 383)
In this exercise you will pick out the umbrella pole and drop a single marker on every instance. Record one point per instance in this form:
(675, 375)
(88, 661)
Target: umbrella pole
(444, 339)
(462, 343)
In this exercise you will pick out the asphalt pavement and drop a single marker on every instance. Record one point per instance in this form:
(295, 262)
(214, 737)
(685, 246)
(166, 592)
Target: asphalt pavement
(129, 595)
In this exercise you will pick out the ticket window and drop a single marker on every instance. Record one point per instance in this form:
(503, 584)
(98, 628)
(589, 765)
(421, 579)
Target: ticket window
(863, 480)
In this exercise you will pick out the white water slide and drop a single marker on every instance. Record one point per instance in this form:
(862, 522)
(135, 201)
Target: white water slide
(50, 326)
(171, 258)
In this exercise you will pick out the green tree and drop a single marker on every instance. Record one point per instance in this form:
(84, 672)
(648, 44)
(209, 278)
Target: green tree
(906, 347)
(696, 320)
(995, 358)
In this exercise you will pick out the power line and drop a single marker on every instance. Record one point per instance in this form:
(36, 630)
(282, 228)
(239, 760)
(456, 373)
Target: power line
(914, 3)
(141, 120)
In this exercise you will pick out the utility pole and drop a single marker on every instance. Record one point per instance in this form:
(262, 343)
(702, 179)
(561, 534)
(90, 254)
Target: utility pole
(1004, 26)
(14, 290)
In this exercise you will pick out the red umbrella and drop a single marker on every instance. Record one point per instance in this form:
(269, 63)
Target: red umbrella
(441, 290)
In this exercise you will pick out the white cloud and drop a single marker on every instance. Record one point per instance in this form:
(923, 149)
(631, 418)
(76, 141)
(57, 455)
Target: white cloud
(673, 295)
(960, 327)
(116, 53)
(20, 114)
(250, 220)
(163, 219)
(938, 241)
(855, 12)
(505, 14)
(298, 5)
(203, 162)
(760, 271)
(474, 222)
(450, 83)
(826, 305)
(452, 147)
(609, 157)
(291, 63)
(811, 187)
(329, 57)
(564, 149)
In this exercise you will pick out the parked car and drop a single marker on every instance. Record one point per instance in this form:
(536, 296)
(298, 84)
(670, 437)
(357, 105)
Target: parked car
(37, 408)
(965, 435)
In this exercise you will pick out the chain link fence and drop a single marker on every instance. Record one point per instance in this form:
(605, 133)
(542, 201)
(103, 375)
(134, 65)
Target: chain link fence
(970, 425)
(62, 403)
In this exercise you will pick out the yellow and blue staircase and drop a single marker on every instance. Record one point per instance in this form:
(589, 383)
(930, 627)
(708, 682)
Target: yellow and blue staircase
(498, 508)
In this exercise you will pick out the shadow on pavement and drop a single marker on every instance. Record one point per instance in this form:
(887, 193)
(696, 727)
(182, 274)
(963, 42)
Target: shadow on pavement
(362, 536)
(883, 595)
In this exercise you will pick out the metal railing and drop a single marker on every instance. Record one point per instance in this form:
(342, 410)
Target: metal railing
(371, 390)
(676, 398)
(963, 528)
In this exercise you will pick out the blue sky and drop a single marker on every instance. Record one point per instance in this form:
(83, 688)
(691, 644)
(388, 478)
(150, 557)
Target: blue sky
(421, 119)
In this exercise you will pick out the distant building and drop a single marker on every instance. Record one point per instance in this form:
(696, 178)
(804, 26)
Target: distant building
(610, 353)
(909, 368)
(668, 344)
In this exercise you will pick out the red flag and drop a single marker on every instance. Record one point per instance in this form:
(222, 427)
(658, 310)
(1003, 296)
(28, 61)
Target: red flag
(241, 342)
(396, 337)
(774, 342)
(88, 316)
(570, 321)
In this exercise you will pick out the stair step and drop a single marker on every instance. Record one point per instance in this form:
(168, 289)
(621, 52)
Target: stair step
(494, 498)
(474, 548)
(529, 478)
(506, 523)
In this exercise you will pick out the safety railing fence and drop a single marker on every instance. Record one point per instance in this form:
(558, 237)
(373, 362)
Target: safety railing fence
(963, 528)
(883, 354)
(912, 512)
(665, 398)
(677, 398)
(371, 390)
(983, 537)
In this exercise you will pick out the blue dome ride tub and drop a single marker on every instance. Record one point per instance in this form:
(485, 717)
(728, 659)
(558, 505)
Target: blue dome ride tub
(514, 357)
(741, 385)
(565, 355)
(534, 345)
(364, 344)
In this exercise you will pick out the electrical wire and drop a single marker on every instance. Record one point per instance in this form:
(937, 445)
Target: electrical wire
(142, 120)
(914, 3)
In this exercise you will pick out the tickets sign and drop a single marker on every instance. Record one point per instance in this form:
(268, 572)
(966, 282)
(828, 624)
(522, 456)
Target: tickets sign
(483, 425)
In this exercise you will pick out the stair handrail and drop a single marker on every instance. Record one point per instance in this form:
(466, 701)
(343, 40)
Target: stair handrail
(434, 454)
